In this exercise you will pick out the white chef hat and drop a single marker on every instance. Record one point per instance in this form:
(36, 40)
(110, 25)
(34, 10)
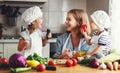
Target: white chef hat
(101, 19)
(31, 14)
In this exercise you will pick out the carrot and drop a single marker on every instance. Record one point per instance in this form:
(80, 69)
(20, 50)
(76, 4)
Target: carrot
(115, 65)
(109, 65)
(119, 66)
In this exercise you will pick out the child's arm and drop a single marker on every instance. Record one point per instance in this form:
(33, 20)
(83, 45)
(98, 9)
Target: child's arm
(87, 38)
(22, 44)
(45, 39)
(95, 51)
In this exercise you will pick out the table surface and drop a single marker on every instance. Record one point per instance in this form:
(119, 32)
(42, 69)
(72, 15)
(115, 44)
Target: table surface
(64, 69)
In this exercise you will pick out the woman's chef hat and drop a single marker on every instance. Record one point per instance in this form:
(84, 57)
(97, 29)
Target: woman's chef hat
(31, 14)
(101, 19)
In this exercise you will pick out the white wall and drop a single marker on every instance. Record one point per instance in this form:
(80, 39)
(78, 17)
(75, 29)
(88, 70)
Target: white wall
(54, 15)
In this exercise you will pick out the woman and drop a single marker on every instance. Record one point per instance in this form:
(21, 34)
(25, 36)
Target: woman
(31, 40)
(72, 40)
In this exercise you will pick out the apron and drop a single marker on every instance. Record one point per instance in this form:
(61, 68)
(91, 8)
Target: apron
(65, 48)
(34, 46)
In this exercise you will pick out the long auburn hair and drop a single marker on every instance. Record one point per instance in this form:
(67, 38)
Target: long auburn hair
(82, 18)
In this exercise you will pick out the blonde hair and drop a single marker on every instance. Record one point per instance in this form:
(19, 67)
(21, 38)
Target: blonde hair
(81, 17)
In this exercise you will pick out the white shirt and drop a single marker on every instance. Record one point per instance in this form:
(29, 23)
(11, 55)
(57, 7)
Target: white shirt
(35, 42)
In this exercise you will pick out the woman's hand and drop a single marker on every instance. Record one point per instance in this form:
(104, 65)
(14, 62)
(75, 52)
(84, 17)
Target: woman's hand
(66, 54)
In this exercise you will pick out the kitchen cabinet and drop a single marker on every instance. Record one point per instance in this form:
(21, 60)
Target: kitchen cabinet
(46, 51)
(9, 47)
(1, 50)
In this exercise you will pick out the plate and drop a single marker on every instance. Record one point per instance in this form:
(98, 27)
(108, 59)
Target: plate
(60, 61)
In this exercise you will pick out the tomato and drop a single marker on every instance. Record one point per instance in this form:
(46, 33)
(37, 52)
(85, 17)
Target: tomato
(74, 61)
(52, 63)
(40, 67)
(69, 63)
(84, 27)
(3, 60)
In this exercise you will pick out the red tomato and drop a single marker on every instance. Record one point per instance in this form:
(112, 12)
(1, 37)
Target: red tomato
(74, 62)
(3, 60)
(40, 67)
(84, 27)
(69, 63)
(52, 63)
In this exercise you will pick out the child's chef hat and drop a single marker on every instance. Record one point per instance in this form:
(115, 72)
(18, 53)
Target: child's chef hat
(31, 14)
(101, 19)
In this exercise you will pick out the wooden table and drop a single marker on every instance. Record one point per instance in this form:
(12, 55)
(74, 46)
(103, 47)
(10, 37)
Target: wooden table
(64, 69)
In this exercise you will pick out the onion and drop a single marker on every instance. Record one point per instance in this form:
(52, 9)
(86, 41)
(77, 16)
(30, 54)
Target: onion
(94, 63)
(17, 60)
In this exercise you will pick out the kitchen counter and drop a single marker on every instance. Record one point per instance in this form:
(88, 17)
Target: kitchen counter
(64, 69)
(9, 40)
(17, 40)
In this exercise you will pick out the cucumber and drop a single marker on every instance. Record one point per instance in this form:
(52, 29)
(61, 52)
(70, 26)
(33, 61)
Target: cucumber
(20, 69)
(48, 67)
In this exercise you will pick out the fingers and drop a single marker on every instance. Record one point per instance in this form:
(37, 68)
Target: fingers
(67, 54)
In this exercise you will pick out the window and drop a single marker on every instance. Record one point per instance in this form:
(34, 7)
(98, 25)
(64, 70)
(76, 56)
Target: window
(114, 10)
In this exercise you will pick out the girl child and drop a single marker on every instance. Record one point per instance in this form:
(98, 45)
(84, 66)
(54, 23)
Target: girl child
(31, 40)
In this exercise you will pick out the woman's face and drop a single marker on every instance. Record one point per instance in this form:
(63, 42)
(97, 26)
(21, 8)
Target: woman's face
(38, 23)
(71, 23)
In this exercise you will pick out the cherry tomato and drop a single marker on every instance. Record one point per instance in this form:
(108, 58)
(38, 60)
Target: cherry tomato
(52, 63)
(69, 63)
(84, 27)
(3, 60)
(40, 67)
(74, 61)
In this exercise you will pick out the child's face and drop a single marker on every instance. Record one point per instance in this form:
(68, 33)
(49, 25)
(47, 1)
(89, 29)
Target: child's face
(38, 23)
(71, 23)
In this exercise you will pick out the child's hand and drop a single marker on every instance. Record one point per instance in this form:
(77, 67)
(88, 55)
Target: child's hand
(25, 43)
(80, 58)
(82, 31)
(84, 27)
(87, 56)
(49, 34)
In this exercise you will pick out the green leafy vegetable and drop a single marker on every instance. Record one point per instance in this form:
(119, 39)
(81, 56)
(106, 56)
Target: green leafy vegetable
(86, 61)
(36, 57)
